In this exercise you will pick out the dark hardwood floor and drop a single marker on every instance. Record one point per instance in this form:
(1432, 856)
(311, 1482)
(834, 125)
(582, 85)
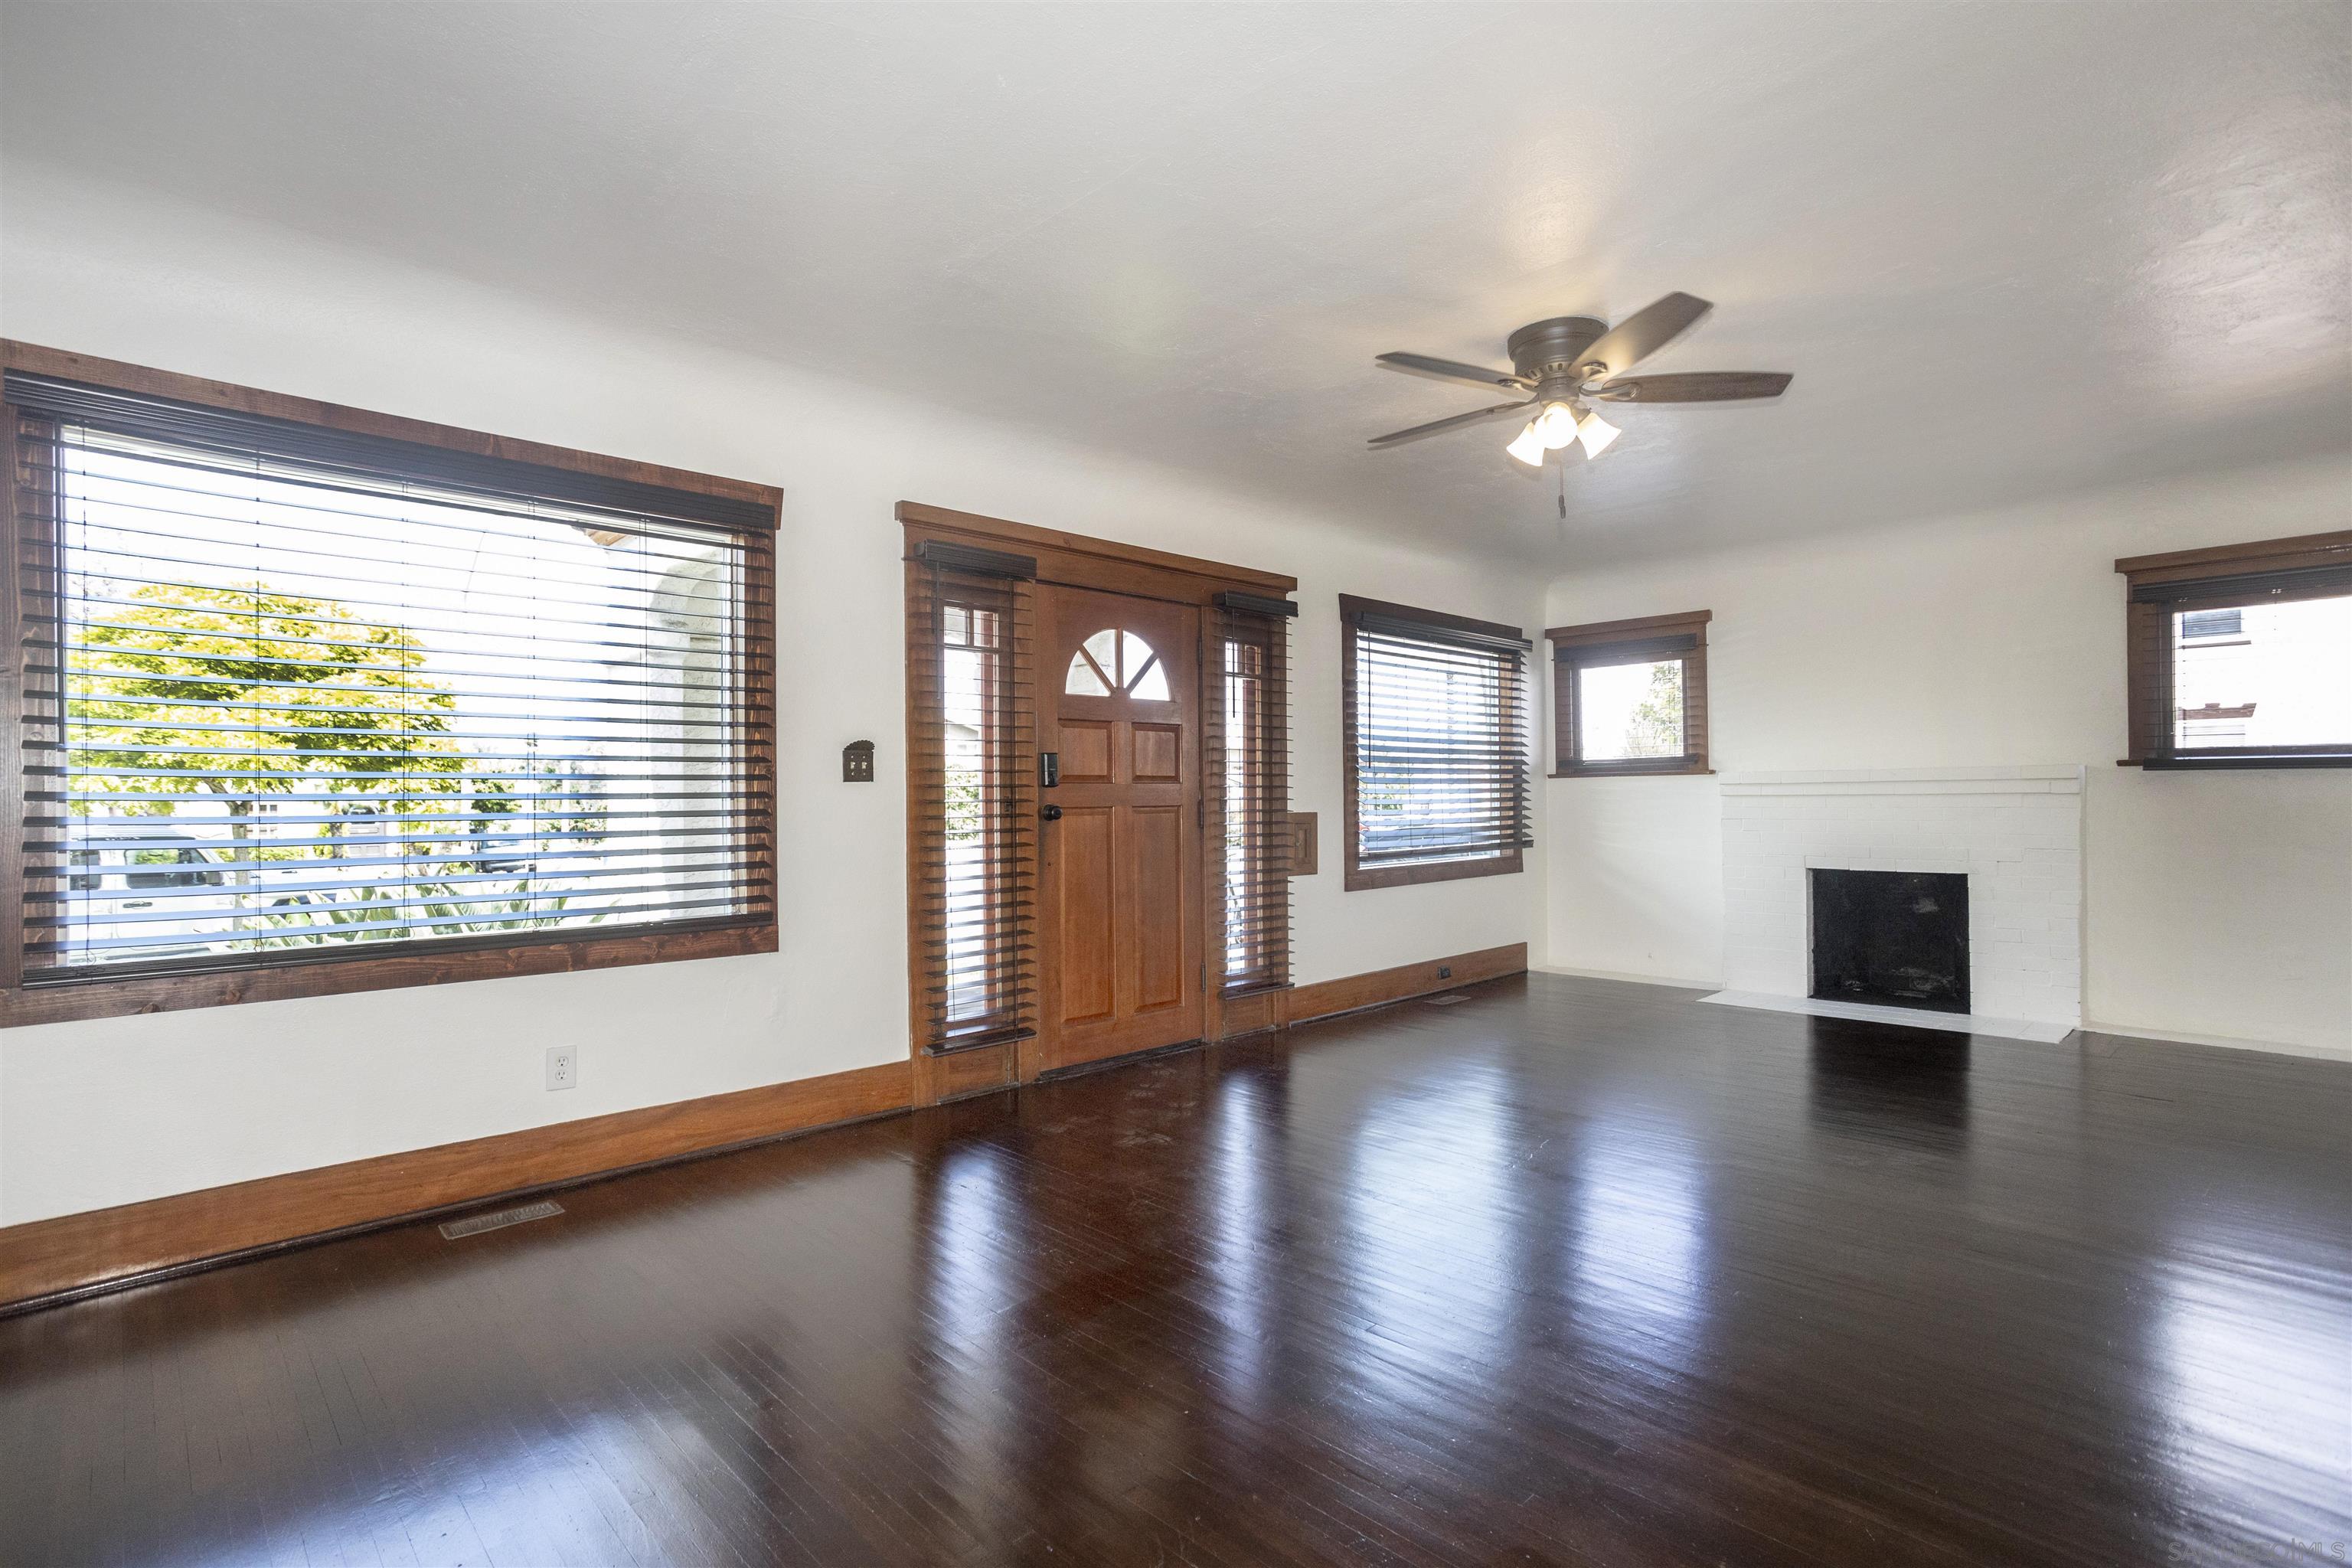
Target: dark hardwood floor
(1568, 1272)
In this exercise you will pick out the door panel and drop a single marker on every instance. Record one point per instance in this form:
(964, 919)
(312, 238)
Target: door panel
(1158, 907)
(1156, 750)
(1120, 882)
(1088, 887)
(1086, 749)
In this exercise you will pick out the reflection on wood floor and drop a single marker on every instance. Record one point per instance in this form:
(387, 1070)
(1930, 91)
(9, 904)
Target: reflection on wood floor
(1572, 1272)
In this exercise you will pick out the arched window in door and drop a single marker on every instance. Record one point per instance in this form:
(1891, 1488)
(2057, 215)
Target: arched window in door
(1112, 662)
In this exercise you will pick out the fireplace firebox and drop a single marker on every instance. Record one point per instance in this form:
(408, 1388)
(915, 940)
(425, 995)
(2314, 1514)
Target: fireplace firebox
(1898, 938)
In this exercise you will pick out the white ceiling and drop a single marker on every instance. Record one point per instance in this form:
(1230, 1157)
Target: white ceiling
(2004, 249)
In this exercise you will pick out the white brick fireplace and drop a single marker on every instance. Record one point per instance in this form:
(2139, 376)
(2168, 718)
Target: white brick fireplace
(2015, 832)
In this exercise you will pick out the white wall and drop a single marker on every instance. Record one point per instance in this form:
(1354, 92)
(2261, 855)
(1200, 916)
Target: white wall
(2218, 905)
(113, 1111)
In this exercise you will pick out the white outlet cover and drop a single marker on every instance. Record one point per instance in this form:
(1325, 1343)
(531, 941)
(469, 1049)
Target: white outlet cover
(562, 1067)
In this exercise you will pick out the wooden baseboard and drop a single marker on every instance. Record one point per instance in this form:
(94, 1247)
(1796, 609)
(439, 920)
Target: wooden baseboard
(958, 1074)
(53, 1261)
(1349, 993)
(73, 1254)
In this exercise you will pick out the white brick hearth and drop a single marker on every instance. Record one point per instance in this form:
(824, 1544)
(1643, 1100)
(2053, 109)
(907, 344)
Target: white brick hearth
(2015, 832)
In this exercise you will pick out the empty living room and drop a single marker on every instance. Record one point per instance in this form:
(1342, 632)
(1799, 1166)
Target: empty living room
(1045, 782)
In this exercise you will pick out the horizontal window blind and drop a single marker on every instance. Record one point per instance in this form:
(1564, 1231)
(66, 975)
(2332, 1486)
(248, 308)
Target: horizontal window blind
(1248, 755)
(1439, 726)
(1639, 651)
(974, 808)
(2249, 588)
(296, 693)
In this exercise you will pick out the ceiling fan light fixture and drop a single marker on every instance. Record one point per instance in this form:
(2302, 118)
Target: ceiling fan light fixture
(1555, 427)
(1559, 367)
(1529, 446)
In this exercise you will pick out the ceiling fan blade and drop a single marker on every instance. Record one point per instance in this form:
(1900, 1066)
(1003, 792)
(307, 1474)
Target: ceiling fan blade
(1453, 370)
(1395, 437)
(1697, 387)
(1643, 333)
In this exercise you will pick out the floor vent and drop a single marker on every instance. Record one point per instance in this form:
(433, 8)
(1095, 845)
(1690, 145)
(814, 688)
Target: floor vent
(1447, 1000)
(499, 1219)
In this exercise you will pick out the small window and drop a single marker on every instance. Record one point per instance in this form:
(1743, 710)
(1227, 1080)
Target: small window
(1433, 712)
(1630, 696)
(1085, 678)
(2241, 656)
(1112, 662)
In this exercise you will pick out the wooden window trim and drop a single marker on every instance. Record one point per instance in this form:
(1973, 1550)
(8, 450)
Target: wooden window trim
(2147, 652)
(35, 360)
(1573, 648)
(444, 961)
(1355, 877)
(2300, 552)
(1075, 561)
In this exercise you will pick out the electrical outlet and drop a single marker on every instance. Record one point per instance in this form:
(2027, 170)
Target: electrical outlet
(562, 1067)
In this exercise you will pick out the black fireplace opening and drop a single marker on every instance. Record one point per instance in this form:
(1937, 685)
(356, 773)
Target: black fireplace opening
(1898, 938)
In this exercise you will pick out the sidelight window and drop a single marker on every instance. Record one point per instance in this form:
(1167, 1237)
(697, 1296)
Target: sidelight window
(1249, 736)
(972, 770)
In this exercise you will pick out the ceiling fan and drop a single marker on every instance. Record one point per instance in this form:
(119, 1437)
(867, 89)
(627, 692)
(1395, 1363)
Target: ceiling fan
(1570, 362)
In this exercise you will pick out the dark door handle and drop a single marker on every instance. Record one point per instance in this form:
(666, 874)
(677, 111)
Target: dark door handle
(1050, 813)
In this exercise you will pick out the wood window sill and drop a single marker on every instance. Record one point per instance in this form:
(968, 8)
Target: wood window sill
(982, 1041)
(1677, 771)
(108, 996)
(1362, 878)
(2232, 765)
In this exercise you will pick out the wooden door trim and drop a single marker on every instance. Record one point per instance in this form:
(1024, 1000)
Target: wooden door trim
(1078, 560)
(1104, 566)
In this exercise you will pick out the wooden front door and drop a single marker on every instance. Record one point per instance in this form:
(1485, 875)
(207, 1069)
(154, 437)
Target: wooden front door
(1119, 856)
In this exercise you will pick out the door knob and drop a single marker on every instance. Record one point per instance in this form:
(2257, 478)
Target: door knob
(1050, 813)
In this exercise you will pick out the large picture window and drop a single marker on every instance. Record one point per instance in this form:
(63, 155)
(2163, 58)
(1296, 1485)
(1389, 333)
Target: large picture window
(1434, 726)
(298, 696)
(2241, 656)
